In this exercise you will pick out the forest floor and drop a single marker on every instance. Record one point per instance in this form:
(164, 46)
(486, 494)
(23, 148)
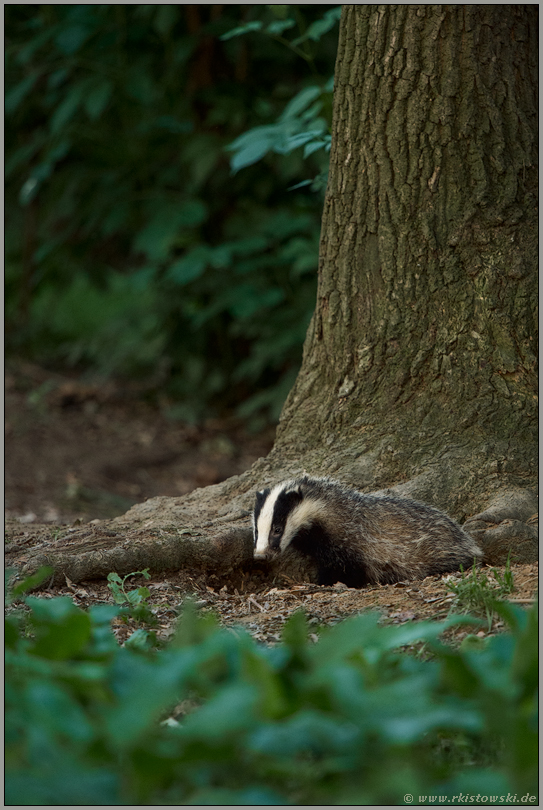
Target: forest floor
(75, 452)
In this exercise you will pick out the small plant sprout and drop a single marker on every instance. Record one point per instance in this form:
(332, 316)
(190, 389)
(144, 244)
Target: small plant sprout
(136, 598)
(477, 592)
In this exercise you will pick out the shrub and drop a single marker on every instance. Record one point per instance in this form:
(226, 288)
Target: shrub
(215, 718)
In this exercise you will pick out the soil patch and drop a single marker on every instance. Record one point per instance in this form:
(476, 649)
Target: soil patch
(85, 451)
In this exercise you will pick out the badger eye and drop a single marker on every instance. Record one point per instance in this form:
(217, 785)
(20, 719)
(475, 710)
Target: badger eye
(276, 531)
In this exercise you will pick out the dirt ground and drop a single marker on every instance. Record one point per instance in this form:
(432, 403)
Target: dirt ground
(80, 451)
(76, 452)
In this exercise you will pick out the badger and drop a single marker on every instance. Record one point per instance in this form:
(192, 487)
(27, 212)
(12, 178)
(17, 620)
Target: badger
(355, 538)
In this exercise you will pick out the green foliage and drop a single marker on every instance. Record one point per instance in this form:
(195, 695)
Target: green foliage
(121, 596)
(477, 592)
(349, 720)
(283, 22)
(116, 329)
(135, 605)
(131, 247)
(303, 122)
(298, 125)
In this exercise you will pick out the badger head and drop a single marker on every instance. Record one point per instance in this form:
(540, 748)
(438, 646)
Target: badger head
(276, 518)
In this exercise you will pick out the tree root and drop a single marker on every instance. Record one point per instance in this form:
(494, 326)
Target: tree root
(508, 526)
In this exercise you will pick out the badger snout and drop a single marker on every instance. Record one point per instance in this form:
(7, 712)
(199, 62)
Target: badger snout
(266, 553)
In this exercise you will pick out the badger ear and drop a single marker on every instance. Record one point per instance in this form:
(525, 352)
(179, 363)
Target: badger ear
(297, 490)
(262, 495)
(292, 497)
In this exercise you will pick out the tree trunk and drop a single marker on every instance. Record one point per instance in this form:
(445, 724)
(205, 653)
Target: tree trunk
(419, 361)
(419, 370)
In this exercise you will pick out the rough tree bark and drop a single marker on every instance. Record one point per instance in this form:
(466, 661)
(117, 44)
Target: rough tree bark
(419, 363)
(418, 372)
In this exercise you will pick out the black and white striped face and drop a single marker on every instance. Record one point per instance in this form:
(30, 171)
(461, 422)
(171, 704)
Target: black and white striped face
(274, 511)
(260, 501)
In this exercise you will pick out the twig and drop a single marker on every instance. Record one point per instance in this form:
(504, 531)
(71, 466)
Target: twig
(254, 602)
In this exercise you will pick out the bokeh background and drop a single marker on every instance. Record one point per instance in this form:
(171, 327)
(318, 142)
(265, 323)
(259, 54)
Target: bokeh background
(145, 239)
(165, 169)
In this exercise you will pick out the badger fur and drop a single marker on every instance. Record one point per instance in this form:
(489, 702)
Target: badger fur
(358, 539)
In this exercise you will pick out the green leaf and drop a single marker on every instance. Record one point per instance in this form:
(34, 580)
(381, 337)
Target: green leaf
(66, 109)
(134, 597)
(231, 710)
(145, 688)
(24, 154)
(316, 30)
(32, 581)
(190, 267)
(139, 84)
(52, 706)
(33, 44)
(220, 257)
(313, 146)
(307, 732)
(273, 698)
(97, 99)
(255, 25)
(11, 631)
(192, 627)
(144, 573)
(409, 729)
(277, 27)
(159, 235)
(62, 630)
(139, 640)
(57, 78)
(295, 631)
(255, 796)
(193, 213)
(252, 146)
(343, 639)
(246, 300)
(165, 19)
(70, 39)
(300, 139)
(300, 185)
(69, 784)
(54, 610)
(15, 96)
(300, 101)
